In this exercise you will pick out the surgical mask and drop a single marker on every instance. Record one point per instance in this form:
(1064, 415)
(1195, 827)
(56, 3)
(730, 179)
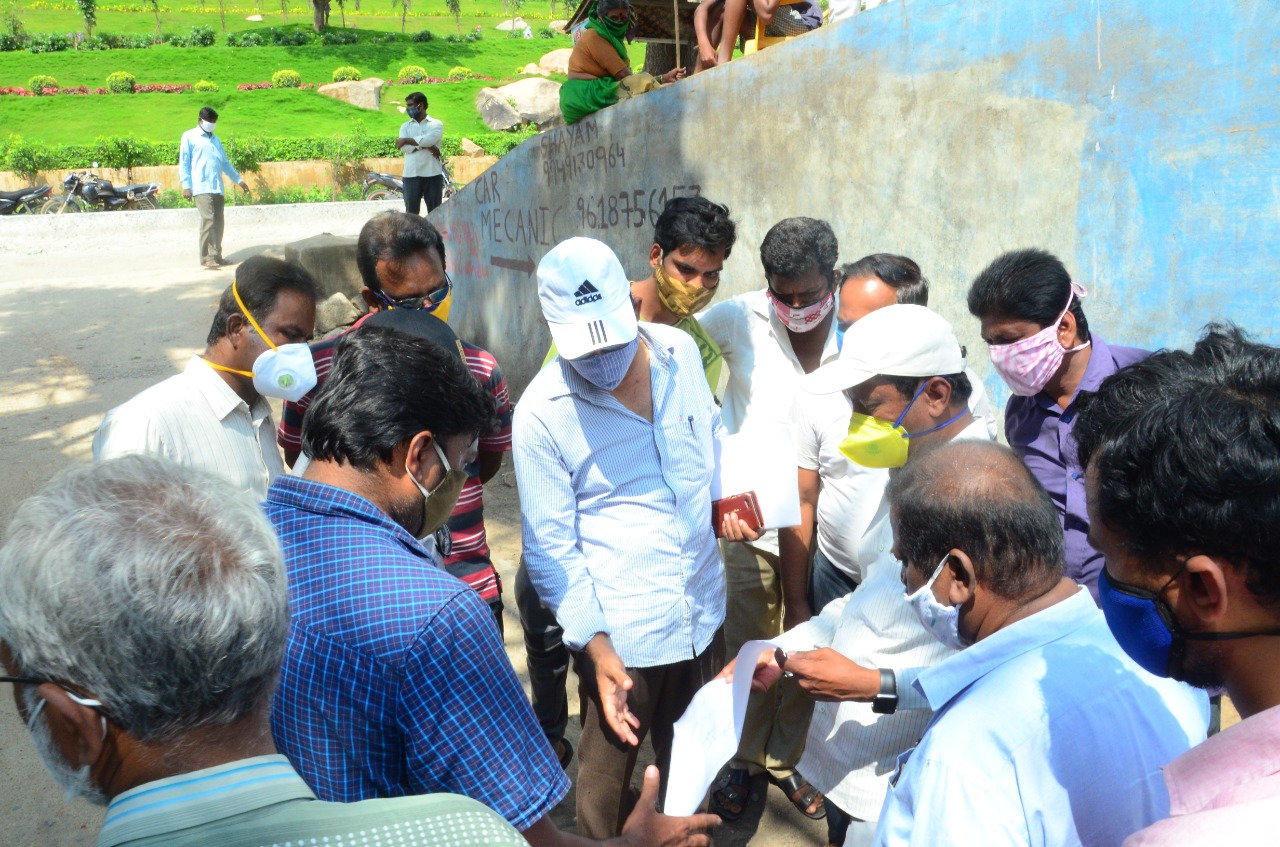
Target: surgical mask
(681, 298)
(805, 318)
(1145, 628)
(606, 370)
(416, 112)
(207, 126)
(942, 621)
(1028, 364)
(438, 503)
(75, 782)
(285, 371)
(876, 443)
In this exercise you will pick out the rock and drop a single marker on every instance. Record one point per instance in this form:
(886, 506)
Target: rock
(463, 170)
(533, 70)
(559, 26)
(537, 100)
(517, 24)
(556, 62)
(495, 111)
(365, 93)
(254, 18)
(335, 312)
(331, 260)
(470, 149)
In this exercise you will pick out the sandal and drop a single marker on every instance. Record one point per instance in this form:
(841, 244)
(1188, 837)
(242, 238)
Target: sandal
(735, 794)
(806, 798)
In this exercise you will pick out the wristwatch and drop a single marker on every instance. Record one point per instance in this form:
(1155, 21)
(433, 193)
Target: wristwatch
(886, 702)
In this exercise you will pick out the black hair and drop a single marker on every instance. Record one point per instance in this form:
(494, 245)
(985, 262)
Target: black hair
(208, 114)
(961, 387)
(1026, 285)
(603, 7)
(385, 387)
(416, 97)
(697, 222)
(1187, 454)
(977, 496)
(259, 281)
(394, 237)
(898, 272)
(794, 246)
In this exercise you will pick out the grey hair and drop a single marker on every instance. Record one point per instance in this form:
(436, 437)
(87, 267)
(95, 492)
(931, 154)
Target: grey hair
(156, 588)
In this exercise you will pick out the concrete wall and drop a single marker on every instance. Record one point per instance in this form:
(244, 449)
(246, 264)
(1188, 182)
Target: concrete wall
(1136, 139)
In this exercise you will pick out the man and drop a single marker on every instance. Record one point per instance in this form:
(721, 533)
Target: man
(143, 622)
(402, 264)
(201, 164)
(718, 23)
(423, 166)
(874, 282)
(614, 446)
(1044, 731)
(1182, 458)
(691, 241)
(213, 415)
(770, 339)
(394, 682)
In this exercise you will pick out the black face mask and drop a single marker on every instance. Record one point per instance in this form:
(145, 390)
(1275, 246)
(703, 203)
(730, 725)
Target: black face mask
(416, 112)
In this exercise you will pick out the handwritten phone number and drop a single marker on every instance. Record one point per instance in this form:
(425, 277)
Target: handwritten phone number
(630, 209)
(576, 165)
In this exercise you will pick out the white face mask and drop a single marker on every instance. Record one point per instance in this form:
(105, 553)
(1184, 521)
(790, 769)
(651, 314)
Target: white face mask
(942, 621)
(207, 127)
(287, 371)
(75, 782)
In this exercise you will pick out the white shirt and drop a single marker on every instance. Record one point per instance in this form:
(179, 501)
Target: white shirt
(844, 9)
(1045, 734)
(419, 161)
(197, 420)
(851, 750)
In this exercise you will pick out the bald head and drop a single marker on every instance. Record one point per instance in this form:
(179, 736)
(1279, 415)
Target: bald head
(978, 497)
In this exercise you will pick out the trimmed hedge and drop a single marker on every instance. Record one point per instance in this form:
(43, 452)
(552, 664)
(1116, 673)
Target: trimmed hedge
(285, 79)
(122, 82)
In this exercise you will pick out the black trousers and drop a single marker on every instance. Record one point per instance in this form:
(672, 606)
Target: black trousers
(418, 188)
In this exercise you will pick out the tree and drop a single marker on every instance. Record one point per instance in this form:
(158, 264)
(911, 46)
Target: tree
(405, 6)
(284, 10)
(155, 10)
(455, 9)
(89, 11)
(660, 58)
(222, 14)
(320, 14)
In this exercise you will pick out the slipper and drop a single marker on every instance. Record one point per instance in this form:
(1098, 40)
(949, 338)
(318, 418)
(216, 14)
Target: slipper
(802, 795)
(735, 794)
(564, 752)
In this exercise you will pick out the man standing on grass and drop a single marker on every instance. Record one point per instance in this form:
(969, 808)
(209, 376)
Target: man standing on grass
(201, 164)
(423, 166)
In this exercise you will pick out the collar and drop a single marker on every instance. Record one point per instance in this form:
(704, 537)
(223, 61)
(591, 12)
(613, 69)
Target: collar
(222, 399)
(1101, 365)
(941, 683)
(660, 357)
(328, 501)
(201, 797)
(1232, 759)
(760, 305)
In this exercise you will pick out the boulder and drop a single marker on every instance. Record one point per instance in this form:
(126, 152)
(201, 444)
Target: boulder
(335, 312)
(495, 111)
(365, 93)
(517, 24)
(470, 149)
(533, 70)
(556, 62)
(331, 260)
(559, 26)
(537, 100)
(254, 18)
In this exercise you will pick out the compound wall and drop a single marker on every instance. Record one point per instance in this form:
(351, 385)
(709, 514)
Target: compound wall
(1136, 139)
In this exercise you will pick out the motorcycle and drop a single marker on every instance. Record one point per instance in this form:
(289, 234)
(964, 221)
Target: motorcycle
(379, 186)
(24, 201)
(87, 192)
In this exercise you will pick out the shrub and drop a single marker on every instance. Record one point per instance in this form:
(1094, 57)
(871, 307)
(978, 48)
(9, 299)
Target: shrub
(547, 32)
(206, 85)
(285, 79)
(385, 38)
(345, 73)
(289, 38)
(453, 39)
(459, 73)
(410, 74)
(122, 82)
(473, 36)
(10, 42)
(338, 36)
(126, 152)
(48, 43)
(244, 39)
(26, 159)
(38, 83)
(423, 37)
(201, 36)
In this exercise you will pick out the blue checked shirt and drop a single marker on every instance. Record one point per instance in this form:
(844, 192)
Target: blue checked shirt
(395, 681)
(617, 509)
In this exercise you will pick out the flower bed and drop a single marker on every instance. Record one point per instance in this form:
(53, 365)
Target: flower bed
(80, 90)
(258, 86)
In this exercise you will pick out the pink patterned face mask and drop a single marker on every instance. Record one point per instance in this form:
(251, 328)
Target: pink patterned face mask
(806, 318)
(1028, 364)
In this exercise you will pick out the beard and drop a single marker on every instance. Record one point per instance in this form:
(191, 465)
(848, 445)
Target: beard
(1201, 665)
(75, 782)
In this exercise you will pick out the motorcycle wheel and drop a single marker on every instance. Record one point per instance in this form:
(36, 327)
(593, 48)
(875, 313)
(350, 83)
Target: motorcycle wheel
(142, 203)
(383, 194)
(54, 206)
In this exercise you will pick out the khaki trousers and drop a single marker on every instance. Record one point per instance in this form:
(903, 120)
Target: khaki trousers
(210, 206)
(777, 720)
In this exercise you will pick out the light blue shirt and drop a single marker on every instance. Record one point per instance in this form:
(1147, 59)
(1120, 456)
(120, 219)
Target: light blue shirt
(617, 509)
(202, 162)
(1044, 733)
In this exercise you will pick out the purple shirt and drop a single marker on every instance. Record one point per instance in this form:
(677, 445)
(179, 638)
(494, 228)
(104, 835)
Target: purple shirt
(1040, 433)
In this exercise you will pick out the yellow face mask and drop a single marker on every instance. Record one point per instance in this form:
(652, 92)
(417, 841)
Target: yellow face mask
(681, 298)
(874, 443)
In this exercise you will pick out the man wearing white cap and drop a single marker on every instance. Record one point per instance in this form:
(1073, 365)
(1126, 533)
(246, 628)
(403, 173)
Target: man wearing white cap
(614, 446)
(903, 370)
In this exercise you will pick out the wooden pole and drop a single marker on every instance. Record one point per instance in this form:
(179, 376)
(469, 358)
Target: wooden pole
(675, 18)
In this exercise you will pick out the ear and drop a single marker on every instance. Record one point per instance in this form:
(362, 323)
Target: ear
(655, 255)
(236, 325)
(79, 731)
(370, 299)
(962, 577)
(1205, 591)
(419, 458)
(936, 396)
(1067, 331)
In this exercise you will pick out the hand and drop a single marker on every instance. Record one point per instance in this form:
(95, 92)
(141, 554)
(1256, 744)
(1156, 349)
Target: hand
(674, 74)
(796, 613)
(766, 674)
(646, 826)
(735, 528)
(244, 186)
(186, 194)
(707, 56)
(434, 151)
(612, 685)
(826, 675)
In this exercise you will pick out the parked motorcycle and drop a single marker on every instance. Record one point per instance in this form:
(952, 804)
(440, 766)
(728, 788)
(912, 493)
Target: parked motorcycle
(378, 186)
(87, 192)
(24, 201)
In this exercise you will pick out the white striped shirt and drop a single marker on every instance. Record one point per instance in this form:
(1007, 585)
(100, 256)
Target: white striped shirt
(195, 419)
(617, 509)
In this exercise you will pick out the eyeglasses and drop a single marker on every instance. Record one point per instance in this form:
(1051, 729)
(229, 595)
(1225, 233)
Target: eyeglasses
(428, 302)
(83, 701)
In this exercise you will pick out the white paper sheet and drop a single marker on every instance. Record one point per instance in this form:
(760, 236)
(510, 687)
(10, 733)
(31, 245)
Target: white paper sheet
(707, 734)
(761, 459)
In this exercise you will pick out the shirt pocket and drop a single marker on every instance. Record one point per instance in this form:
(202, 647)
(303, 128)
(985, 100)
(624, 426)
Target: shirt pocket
(687, 454)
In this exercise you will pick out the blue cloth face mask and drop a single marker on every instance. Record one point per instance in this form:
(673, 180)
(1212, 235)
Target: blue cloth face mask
(606, 370)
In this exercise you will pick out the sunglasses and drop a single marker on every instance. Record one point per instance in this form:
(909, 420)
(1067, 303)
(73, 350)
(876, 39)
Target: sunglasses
(428, 302)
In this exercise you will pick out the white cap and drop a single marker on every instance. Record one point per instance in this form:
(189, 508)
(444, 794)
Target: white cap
(586, 297)
(899, 340)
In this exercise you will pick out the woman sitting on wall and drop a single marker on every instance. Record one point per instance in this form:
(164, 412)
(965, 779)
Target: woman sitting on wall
(599, 63)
